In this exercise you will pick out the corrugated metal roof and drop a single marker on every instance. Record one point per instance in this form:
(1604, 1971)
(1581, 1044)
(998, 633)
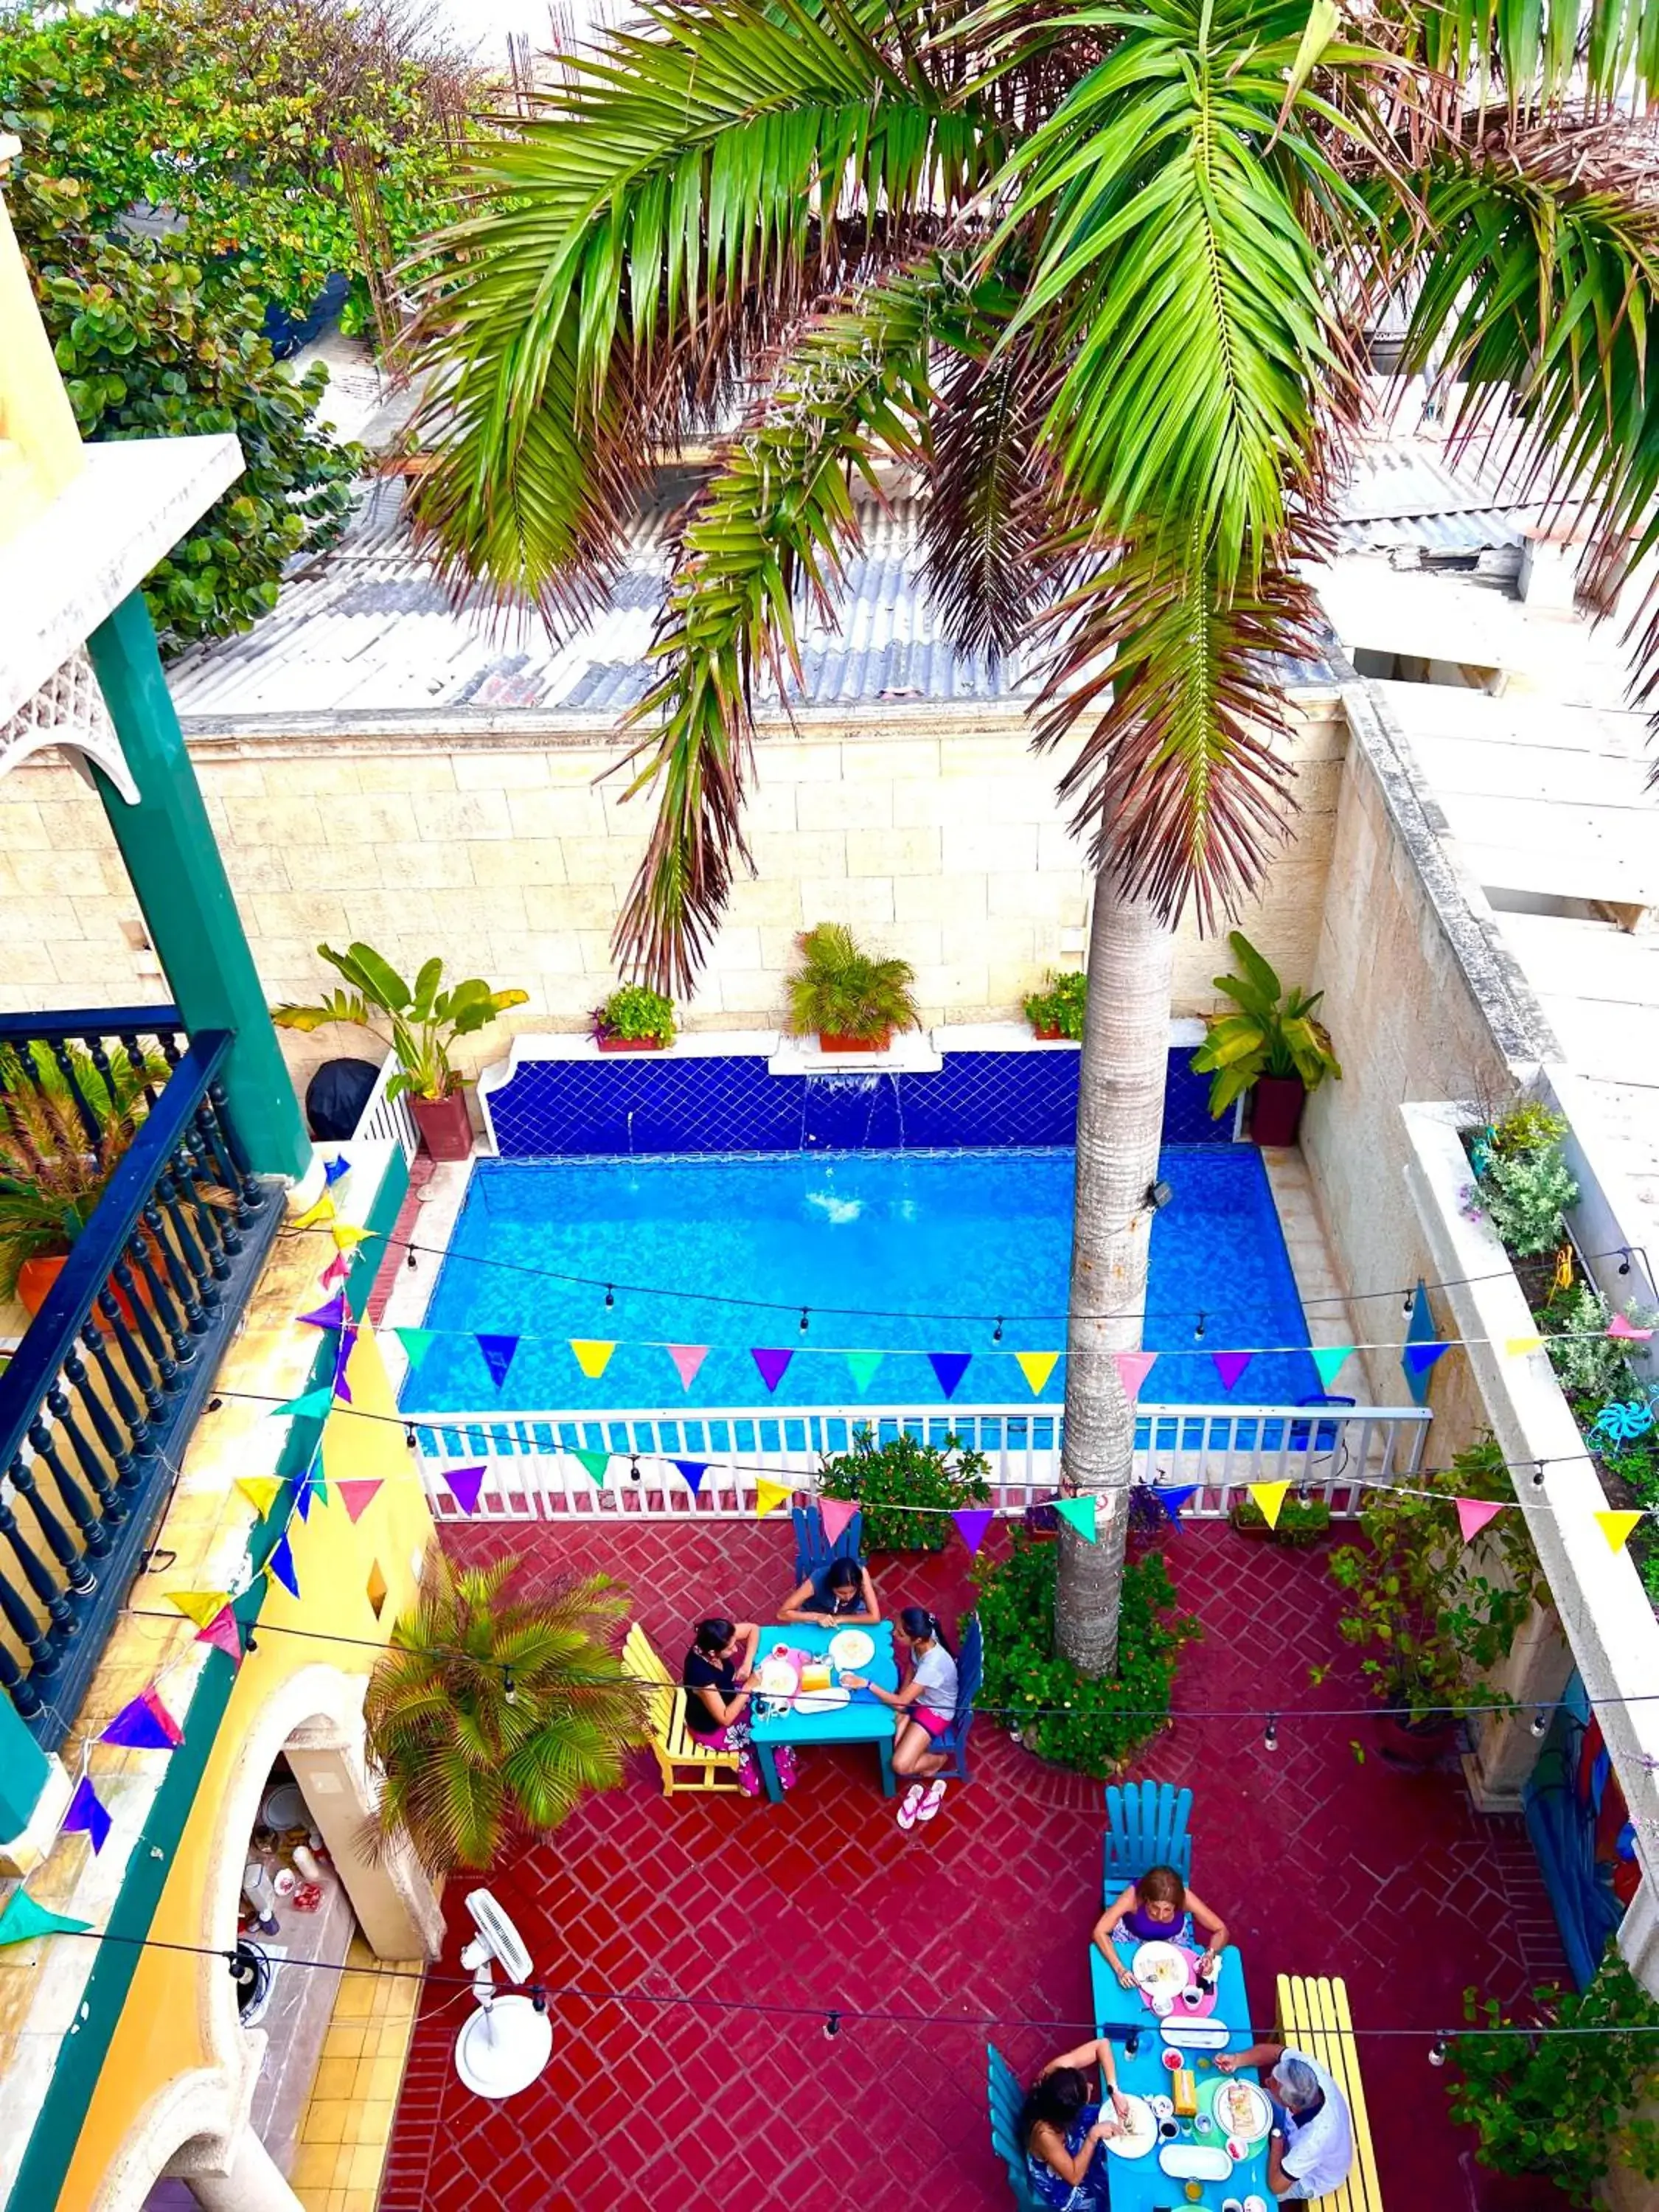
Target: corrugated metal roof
(1405, 492)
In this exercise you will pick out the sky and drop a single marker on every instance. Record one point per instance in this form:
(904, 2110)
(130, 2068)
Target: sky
(483, 25)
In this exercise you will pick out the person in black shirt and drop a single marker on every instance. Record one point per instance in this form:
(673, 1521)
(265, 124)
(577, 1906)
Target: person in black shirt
(839, 1595)
(715, 1679)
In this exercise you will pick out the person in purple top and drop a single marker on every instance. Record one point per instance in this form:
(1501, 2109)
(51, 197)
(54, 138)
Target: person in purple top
(1159, 1908)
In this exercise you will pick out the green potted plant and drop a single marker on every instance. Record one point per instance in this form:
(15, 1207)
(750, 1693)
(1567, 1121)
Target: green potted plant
(1055, 1012)
(1271, 1047)
(853, 1001)
(1302, 1521)
(421, 1025)
(905, 1473)
(634, 1019)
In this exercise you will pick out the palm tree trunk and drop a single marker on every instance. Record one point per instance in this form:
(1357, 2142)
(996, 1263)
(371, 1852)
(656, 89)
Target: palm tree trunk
(1120, 1119)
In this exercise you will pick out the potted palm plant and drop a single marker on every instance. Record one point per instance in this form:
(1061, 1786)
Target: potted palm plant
(421, 1025)
(1271, 1047)
(492, 1714)
(853, 1001)
(1056, 1012)
(634, 1019)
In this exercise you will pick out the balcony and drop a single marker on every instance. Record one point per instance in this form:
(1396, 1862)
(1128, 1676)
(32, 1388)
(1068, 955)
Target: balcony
(99, 1399)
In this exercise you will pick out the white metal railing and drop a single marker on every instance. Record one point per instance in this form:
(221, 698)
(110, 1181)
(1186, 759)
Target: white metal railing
(531, 1473)
(387, 1120)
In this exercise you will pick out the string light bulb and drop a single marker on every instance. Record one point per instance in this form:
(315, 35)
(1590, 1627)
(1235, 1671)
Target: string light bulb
(806, 1320)
(1541, 1721)
(634, 1474)
(1406, 1299)
(411, 1259)
(1624, 1259)
(610, 1295)
(1538, 1475)
(508, 1689)
(831, 2025)
(1270, 1733)
(996, 1333)
(1439, 2051)
(1198, 1332)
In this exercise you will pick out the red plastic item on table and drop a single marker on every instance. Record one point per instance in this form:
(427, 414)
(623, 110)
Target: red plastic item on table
(306, 1897)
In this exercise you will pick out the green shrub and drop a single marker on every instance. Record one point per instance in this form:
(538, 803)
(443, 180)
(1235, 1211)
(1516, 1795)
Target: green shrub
(1301, 1520)
(842, 992)
(1094, 1725)
(1525, 1196)
(1060, 1005)
(1525, 1131)
(1558, 2108)
(632, 1012)
(1595, 1367)
(906, 1471)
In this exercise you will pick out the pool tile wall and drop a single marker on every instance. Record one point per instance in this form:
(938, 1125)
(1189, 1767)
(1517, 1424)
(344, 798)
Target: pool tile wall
(734, 1104)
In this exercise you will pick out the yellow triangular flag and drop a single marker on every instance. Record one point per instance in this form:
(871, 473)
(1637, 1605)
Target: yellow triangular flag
(591, 1357)
(768, 1495)
(260, 1491)
(1616, 1528)
(323, 1211)
(203, 1606)
(347, 1234)
(1518, 1347)
(1270, 1496)
(1037, 1367)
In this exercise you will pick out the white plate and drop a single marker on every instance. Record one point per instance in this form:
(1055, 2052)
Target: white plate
(851, 1647)
(823, 1701)
(776, 1679)
(1161, 1969)
(1184, 2034)
(1194, 2161)
(1142, 2130)
(1241, 2109)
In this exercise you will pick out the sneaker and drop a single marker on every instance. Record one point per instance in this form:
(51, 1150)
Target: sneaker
(931, 1803)
(912, 1805)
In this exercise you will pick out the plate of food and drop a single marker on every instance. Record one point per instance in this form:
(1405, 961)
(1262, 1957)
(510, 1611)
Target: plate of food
(1161, 1969)
(851, 1647)
(823, 1701)
(1244, 2109)
(1140, 2130)
(776, 1679)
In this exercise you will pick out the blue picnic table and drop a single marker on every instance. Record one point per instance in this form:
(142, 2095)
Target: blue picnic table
(1140, 2185)
(863, 1719)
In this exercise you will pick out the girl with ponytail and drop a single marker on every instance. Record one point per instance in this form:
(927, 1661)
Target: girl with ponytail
(925, 1704)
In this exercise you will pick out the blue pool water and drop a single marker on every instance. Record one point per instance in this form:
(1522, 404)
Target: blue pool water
(902, 1234)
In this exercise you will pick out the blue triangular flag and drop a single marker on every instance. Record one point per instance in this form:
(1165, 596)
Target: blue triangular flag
(309, 1486)
(498, 1352)
(694, 1471)
(1418, 1358)
(280, 1561)
(333, 1169)
(1173, 1500)
(949, 1367)
(145, 1725)
(86, 1816)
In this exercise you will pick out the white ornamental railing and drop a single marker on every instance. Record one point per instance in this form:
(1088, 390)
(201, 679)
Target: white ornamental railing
(387, 1120)
(531, 1473)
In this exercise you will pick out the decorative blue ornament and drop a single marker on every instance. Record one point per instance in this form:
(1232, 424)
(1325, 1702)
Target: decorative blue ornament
(1623, 1424)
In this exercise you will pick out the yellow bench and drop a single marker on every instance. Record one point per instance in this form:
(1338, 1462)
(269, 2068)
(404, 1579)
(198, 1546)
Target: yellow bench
(1314, 2017)
(675, 1746)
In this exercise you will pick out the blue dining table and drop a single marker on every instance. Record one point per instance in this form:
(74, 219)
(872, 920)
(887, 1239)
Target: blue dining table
(1140, 2185)
(862, 1719)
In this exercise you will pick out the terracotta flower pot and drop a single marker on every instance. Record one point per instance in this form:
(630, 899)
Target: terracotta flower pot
(445, 1126)
(631, 1044)
(36, 1277)
(1049, 1033)
(833, 1041)
(1276, 1109)
(1414, 1746)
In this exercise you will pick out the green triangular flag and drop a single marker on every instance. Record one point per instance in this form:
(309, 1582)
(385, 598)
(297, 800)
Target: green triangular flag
(1328, 1359)
(24, 1920)
(1080, 1513)
(314, 1401)
(414, 1342)
(595, 1461)
(863, 1365)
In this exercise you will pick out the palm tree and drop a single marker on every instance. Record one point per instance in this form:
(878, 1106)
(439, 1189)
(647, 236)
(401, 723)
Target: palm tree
(492, 1714)
(1100, 273)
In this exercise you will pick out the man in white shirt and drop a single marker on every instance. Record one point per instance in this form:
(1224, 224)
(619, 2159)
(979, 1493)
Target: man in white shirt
(1310, 2147)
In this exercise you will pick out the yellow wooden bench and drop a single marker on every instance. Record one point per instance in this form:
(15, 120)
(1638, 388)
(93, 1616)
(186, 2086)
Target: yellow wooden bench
(675, 1746)
(1314, 2017)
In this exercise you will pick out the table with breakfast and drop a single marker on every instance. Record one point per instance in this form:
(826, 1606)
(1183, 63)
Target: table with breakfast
(1196, 2136)
(799, 1697)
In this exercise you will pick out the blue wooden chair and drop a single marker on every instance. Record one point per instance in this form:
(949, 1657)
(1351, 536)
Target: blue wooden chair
(1145, 1826)
(814, 1550)
(1006, 2099)
(970, 1672)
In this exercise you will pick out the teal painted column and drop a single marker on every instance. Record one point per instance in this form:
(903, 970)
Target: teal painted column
(173, 859)
(25, 1770)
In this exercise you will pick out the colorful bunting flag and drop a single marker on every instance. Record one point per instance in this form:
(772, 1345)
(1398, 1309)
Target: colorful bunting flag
(86, 1816)
(338, 1270)
(1418, 1358)
(349, 1235)
(313, 1483)
(1037, 1367)
(145, 1725)
(1230, 1365)
(342, 1360)
(333, 1169)
(596, 1463)
(414, 1342)
(1133, 1369)
(687, 1359)
(331, 1315)
(1518, 1347)
(464, 1485)
(498, 1352)
(593, 1357)
(768, 1495)
(1080, 1514)
(1621, 1326)
(224, 1632)
(1172, 1500)
(837, 1515)
(1472, 1515)
(773, 1364)
(862, 1366)
(22, 1920)
(199, 1605)
(949, 1367)
(1270, 1498)
(314, 1404)
(357, 1496)
(1329, 1359)
(1616, 1528)
(973, 1521)
(260, 1491)
(694, 1471)
(279, 1560)
(323, 1211)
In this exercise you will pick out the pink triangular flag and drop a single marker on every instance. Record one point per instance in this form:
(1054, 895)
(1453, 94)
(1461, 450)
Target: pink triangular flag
(1133, 1369)
(1472, 1515)
(223, 1632)
(356, 1495)
(687, 1359)
(835, 1513)
(1621, 1326)
(336, 1272)
(1230, 1365)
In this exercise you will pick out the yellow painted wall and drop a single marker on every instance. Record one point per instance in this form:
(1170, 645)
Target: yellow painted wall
(158, 2035)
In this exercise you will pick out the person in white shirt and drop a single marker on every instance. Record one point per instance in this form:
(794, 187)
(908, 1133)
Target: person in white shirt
(1310, 2147)
(927, 1705)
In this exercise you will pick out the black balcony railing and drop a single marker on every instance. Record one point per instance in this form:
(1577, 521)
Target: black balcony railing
(98, 1401)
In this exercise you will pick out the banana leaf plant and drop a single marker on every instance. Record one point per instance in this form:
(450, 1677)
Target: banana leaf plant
(419, 1025)
(1274, 1033)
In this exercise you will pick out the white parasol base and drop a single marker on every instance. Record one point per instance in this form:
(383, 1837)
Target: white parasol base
(502, 2049)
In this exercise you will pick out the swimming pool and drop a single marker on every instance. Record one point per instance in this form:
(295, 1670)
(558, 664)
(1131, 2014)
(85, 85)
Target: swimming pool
(911, 1238)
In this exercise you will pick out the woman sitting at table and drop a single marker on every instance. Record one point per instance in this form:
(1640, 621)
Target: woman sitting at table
(839, 1595)
(1062, 2126)
(927, 1705)
(715, 1679)
(1159, 1908)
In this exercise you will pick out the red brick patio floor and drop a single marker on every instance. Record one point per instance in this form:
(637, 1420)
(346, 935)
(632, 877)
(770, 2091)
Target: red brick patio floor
(1320, 1864)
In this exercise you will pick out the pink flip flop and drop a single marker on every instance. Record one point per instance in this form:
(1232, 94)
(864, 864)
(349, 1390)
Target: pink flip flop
(911, 1806)
(931, 1803)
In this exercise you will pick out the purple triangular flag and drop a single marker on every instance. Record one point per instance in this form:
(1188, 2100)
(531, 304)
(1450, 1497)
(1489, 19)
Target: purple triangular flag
(973, 1521)
(498, 1352)
(1230, 1365)
(949, 1367)
(332, 1315)
(773, 1365)
(342, 1356)
(694, 1471)
(464, 1485)
(85, 1816)
(145, 1725)
(280, 1561)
